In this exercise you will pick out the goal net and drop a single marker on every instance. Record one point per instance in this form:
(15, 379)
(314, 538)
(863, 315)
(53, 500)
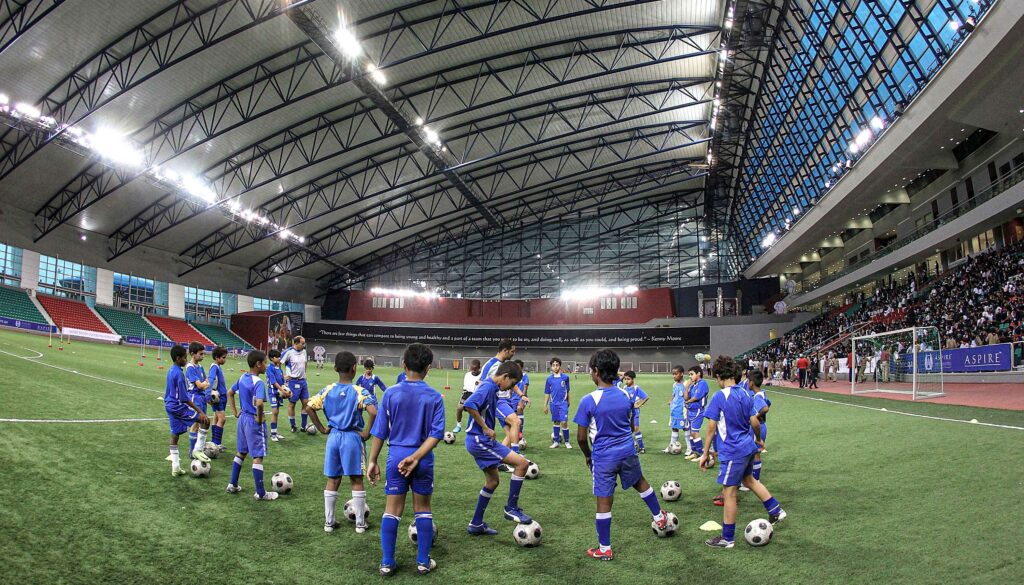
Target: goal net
(905, 361)
(625, 366)
(655, 367)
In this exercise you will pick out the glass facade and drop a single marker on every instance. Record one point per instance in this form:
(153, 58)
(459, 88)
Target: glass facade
(841, 72)
(10, 265)
(134, 291)
(203, 305)
(64, 278)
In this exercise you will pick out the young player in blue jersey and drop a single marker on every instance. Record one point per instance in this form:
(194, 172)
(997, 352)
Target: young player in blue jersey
(182, 412)
(294, 360)
(732, 417)
(469, 383)
(400, 378)
(277, 390)
(556, 401)
(696, 399)
(488, 453)
(505, 411)
(677, 406)
(343, 405)
(761, 405)
(251, 437)
(410, 418)
(198, 390)
(368, 381)
(604, 421)
(518, 403)
(218, 396)
(639, 398)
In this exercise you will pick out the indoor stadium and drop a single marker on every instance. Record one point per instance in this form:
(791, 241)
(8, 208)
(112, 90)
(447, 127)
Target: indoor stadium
(552, 266)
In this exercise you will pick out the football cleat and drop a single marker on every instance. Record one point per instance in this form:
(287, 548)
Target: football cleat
(387, 570)
(597, 553)
(233, 489)
(719, 542)
(744, 488)
(568, 445)
(481, 530)
(295, 429)
(361, 528)
(198, 454)
(458, 428)
(275, 437)
(424, 568)
(177, 471)
(268, 496)
(553, 445)
(663, 523)
(642, 450)
(517, 515)
(331, 527)
(776, 518)
(718, 501)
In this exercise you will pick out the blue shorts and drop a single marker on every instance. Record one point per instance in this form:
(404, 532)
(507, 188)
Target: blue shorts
(299, 390)
(559, 411)
(764, 431)
(199, 399)
(252, 437)
(694, 420)
(421, 480)
(678, 421)
(182, 420)
(275, 399)
(344, 454)
(604, 474)
(733, 471)
(486, 451)
(221, 404)
(636, 419)
(505, 409)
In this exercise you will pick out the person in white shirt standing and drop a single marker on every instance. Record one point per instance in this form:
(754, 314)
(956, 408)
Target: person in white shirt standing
(469, 383)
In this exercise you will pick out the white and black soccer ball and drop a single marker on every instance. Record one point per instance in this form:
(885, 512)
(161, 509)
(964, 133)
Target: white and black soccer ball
(211, 450)
(532, 471)
(522, 443)
(758, 532)
(675, 448)
(413, 533)
(200, 468)
(449, 438)
(699, 357)
(671, 526)
(350, 512)
(671, 490)
(311, 429)
(528, 535)
(282, 482)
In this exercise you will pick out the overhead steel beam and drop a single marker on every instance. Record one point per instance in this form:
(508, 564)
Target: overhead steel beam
(18, 16)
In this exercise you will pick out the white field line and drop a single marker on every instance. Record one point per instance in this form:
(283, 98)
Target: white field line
(79, 420)
(34, 359)
(886, 410)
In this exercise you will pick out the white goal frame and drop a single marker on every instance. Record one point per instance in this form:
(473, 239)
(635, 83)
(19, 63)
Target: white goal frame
(892, 384)
(655, 367)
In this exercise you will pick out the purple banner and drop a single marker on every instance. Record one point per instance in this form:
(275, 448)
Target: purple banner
(29, 325)
(985, 358)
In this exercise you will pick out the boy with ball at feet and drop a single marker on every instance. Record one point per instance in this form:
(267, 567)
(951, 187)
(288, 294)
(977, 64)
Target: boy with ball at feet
(343, 405)
(251, 437)
(182, 413)
(732, 416)
(411, 419)
(604, 421)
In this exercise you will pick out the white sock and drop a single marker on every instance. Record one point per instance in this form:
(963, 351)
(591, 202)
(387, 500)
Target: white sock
(359, 504)
(329, 499)
(201, 439)
(675, 436)
(175, 459)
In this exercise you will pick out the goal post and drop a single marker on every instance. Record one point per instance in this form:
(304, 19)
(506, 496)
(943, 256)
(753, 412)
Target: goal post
(905, 361)
(655, 367)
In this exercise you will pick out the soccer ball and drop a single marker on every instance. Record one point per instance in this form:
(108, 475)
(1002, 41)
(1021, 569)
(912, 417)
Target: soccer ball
(200, 468)
(350, 512)
(671, 525)
(675, 448)
(211, 450)
(758, 532)
(311, 429)
(527, 535)
(670, 491)
(282, 482)
(522, 443)
(699, 357)
(413, 533)
(532, 471)
(449, 438)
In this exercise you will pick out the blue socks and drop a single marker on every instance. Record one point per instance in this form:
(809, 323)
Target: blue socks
(425, 536)
(603, 520)
(291, 419)
(514, 487)
(481, 506)
(388, 536)
(555, 434)
(772, 506)
(639, 440)
(651, 499)
(565, 435)
(305, 420)
(757, 470)
(729, 532)
(273, 428)
(697, 446)
(236, 470)
(218, 433)
(191, 442)
(257, 476)
(515, 447)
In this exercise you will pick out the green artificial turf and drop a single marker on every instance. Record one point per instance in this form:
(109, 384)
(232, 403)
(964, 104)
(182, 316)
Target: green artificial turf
(872, 497)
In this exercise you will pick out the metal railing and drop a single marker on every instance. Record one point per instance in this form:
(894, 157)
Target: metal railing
(1016, 175)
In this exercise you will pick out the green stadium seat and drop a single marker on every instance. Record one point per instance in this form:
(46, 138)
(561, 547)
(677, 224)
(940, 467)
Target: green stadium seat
(127, 323)
(221, 336)
(16, 304)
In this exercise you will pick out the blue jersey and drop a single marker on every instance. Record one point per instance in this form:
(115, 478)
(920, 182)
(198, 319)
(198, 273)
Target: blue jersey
(636, 394)
(732, 408)
(408, 413)
(176, 392)
(608, 414)
(700, 391)
(677, 407)
(558, 388)
(250, 389)
(275, 376)
(401, 378)
(194, 373)
(516, 398)
(370, 383)
(485, 401)
(344, 405)
(760, 402)
(217, 382)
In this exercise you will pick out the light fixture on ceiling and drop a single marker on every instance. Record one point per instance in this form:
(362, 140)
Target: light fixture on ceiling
(348, 43)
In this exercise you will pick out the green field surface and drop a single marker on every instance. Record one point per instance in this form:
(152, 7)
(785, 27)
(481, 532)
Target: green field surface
(872, 496)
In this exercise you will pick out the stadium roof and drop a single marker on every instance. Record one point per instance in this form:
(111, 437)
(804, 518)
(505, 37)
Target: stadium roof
(493, 148)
